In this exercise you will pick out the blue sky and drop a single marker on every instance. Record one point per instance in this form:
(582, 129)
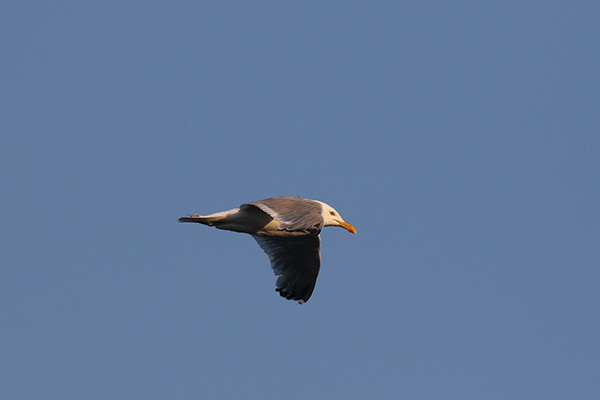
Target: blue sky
(460, 138)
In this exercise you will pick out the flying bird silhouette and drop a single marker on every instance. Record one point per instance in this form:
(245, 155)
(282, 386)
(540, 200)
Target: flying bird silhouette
(287, 229)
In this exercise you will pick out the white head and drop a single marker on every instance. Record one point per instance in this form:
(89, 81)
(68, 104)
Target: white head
(333, 218)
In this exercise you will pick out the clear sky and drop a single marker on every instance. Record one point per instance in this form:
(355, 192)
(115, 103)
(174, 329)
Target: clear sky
(460, 138)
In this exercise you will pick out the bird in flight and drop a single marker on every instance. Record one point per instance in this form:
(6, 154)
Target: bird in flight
(287, 229)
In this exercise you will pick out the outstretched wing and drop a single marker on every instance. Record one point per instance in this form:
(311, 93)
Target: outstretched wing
(293, 214)
(296, 261)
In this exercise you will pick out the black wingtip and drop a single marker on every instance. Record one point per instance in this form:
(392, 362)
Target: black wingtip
(289, 296)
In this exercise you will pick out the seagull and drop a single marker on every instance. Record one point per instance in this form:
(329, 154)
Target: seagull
(287, 229)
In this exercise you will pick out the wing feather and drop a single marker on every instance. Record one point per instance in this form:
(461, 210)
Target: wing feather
(293, 214)
(296, 261)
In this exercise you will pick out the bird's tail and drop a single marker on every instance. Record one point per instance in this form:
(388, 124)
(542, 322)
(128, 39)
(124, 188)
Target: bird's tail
(209, 220)
(194, 218)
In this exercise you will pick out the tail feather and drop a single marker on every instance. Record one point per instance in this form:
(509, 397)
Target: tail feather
(194, 218)
(209, 220)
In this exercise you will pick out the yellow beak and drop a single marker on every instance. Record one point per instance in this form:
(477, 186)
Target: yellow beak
(348, 227)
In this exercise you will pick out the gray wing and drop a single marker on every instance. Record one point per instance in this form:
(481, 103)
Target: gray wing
(296, 261)
(293, 213)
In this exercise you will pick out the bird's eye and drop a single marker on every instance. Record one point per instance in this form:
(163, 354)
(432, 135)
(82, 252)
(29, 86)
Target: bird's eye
(332, 212)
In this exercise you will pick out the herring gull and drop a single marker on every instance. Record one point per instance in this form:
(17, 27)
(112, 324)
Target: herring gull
(287, 229)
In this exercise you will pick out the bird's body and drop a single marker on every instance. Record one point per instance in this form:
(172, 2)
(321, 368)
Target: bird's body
(287, 229)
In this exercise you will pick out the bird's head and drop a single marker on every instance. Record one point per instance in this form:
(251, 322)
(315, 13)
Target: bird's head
(333, 218)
